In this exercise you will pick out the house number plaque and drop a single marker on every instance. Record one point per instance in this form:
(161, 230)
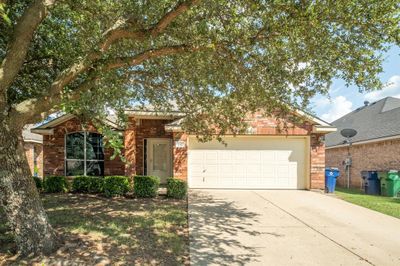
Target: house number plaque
(180, 144)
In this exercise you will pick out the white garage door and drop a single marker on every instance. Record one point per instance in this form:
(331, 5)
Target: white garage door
(250, 162)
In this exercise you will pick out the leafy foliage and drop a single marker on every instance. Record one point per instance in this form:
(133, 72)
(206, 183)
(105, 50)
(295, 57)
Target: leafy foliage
(88, 184)
(55, 184)
(115, 186)
(146, 186)
(176, 188)
(96, 184)
(233, 56)
(38, 183)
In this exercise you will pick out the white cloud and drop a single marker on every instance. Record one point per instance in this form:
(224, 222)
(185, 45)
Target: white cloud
(338, 107)
(391, 89)
(321, 102)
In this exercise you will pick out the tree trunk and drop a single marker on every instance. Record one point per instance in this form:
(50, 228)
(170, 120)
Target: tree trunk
(20, 198)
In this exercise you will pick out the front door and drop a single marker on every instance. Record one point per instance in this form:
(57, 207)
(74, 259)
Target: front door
(159, 161)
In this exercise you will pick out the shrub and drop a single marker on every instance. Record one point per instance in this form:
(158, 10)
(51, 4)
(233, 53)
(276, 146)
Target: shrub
(146, 186)
(38, 182)
(115, 185)
(54, 184)
(96, 184)
(88, 184)
(80, 184)
(176, 188)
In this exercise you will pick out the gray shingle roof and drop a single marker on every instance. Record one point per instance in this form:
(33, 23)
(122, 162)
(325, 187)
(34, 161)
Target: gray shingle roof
(377, 120)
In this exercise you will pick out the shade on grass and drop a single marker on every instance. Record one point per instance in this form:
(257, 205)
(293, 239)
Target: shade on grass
(386, 205)
(97, 230)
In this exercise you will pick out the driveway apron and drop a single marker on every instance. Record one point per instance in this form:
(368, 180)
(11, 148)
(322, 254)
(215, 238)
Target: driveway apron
(276, 227)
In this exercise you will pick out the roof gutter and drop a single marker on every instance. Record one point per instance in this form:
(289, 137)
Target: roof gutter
(153, 114)
(365, 142)
(323, 129)
(33, 141)
(173, 128)
(43, 131)
(313, 118)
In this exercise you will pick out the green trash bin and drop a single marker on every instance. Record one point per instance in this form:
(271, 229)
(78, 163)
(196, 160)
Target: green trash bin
(383, 177)
(396, 187)
(393, 183)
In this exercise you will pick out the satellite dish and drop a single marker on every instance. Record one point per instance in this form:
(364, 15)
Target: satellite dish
(348, 132)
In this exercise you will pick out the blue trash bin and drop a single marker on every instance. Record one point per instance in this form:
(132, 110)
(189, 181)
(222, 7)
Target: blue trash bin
(331, 174)
(372, 184)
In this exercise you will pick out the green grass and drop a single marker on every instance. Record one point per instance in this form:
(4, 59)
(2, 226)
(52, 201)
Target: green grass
(114, 231)
(386, 205)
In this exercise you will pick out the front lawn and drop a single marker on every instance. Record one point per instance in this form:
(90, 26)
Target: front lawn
(97, 230)
(386, 205)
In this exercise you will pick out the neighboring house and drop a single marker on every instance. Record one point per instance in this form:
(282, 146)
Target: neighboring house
(33, 145)
(155, 144)
(376, 145)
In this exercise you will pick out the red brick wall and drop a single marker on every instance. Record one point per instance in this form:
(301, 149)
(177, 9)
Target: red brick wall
(54, 149)
(136, 132)
(317, 162)
(261, 125)
(383, 155)
(29, 147)
(180, 157)
(134, 141)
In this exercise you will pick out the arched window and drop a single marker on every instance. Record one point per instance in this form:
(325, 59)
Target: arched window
(84, 154)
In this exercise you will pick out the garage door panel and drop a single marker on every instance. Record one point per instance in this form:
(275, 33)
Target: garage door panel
(196, 157)
(225, 156)
(211, 157)
(211, 171)
(283, 155)
(239, 155)
(253, 156)
(268, 170)
(226, 170)
(268, 156)
(253, 171)
(196, 170)
(240, 171)
(270, 163)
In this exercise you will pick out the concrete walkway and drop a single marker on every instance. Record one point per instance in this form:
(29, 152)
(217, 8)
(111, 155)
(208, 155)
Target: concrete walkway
(272, 227)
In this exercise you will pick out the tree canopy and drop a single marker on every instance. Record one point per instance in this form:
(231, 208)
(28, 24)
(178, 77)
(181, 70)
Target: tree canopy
(212, 59)
(219, 58)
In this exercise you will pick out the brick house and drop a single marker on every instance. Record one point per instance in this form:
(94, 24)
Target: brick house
(33, 146)
(376, 145)
(155, 144)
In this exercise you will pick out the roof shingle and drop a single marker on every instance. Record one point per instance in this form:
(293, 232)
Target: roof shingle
(377, 120)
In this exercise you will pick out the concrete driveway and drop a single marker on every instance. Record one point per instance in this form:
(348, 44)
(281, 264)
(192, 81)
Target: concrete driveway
(272, 227)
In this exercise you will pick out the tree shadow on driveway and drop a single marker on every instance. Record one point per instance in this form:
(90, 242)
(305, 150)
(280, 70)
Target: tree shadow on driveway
(216, 227)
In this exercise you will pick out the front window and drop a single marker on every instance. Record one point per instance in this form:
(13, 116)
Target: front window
(84, 154)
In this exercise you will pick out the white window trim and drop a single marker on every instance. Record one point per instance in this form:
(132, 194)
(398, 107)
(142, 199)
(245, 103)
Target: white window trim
(84, 152)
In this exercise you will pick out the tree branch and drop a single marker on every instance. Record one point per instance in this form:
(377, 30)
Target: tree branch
(116, 32)
(22, 37)
(42, 107)
(148, 54)
(171, 16)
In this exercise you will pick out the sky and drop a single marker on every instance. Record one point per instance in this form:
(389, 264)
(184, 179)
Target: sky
(346, 99)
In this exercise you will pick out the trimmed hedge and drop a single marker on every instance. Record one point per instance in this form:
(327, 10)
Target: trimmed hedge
(96, 184)
(88, 184)
(80, 184)
(145, 186)
(55, 184)
(38, 183)
(176, 188)
(115, 186)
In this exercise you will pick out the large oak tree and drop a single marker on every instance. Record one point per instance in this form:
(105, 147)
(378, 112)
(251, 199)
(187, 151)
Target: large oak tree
(217, 59)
